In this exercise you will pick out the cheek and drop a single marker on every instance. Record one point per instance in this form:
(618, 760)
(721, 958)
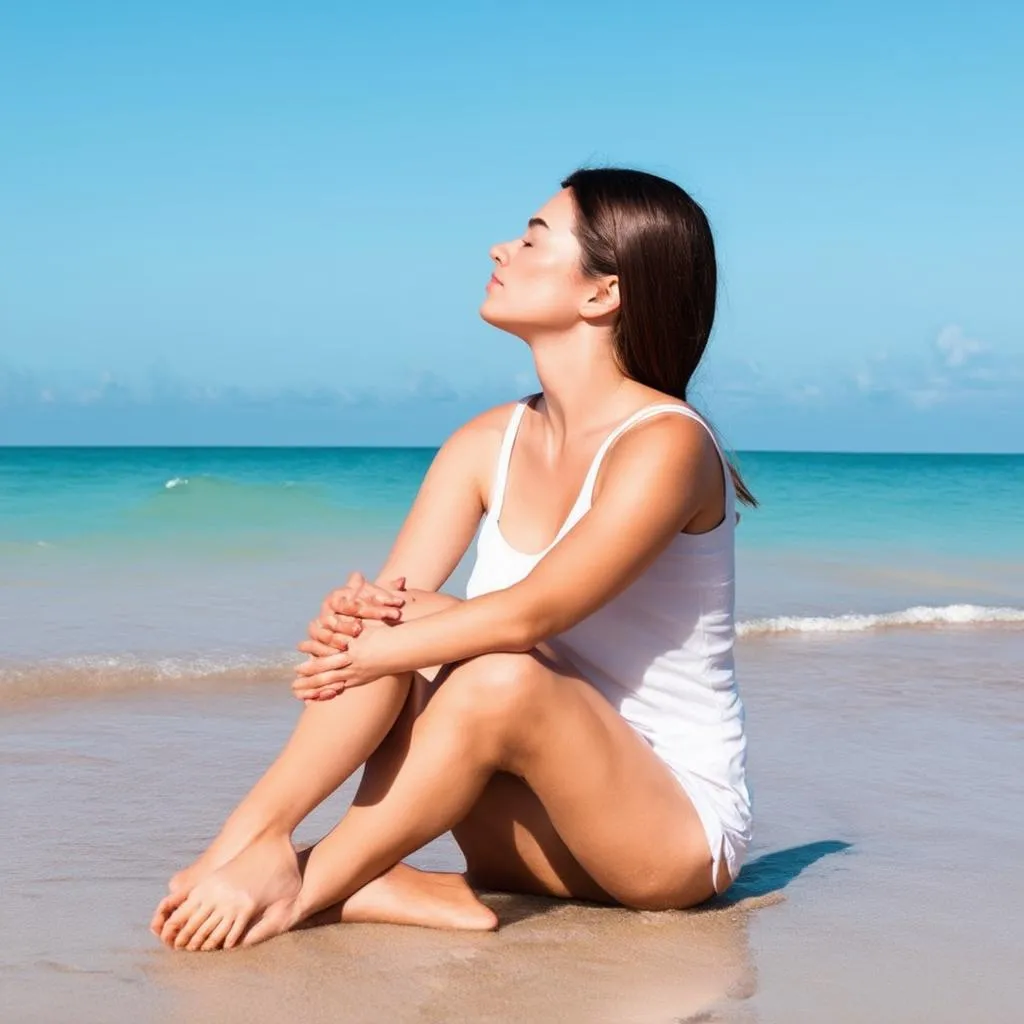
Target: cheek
(535, 292)
(546, 285)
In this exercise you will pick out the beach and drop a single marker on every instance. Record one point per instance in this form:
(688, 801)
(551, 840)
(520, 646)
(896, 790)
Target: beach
(144, 685)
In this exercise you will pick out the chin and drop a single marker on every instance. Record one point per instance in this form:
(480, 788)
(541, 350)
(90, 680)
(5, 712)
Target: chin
(491, 315)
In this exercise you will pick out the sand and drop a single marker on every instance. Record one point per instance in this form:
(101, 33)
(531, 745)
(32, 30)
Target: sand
(884, 884)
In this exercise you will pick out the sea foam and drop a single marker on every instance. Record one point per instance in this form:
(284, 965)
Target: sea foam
(919, 615)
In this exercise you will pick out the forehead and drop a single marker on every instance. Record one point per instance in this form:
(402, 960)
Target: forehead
(559, 211)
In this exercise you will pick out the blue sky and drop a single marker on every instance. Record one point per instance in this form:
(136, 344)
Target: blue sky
(269, 223)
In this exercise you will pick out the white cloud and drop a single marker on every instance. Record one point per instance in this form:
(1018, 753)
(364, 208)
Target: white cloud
(955, 348)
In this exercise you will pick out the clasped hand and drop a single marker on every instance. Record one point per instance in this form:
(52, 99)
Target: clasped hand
(339, 642)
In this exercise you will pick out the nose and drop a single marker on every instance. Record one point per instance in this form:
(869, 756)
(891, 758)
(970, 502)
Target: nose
(499, 253)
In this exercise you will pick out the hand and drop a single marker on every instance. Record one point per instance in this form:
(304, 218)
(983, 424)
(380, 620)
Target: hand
(343, 610)
(329, 670)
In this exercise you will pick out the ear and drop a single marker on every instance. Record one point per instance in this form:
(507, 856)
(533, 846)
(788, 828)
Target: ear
(602, 300)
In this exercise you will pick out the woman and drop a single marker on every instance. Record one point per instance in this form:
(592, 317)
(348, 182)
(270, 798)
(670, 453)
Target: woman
(583, 736)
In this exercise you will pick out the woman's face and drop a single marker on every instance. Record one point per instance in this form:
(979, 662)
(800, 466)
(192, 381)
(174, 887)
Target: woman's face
(538, 285)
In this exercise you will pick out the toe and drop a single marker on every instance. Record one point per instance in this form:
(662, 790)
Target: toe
(176, 921)
(160, 915)
(236, 932)
(220, 933)
(205, 930)
(196, 920)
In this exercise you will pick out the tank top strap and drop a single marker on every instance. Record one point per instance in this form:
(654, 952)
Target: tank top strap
(505, 457)
(587, 493)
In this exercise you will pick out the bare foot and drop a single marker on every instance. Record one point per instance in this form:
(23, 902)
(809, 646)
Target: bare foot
(233, 838)
(405, 895)
(228, 845)
(218, 909)
(402, 895)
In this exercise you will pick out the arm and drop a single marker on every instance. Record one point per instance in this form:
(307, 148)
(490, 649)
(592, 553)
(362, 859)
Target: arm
(447, 510)
(434, 537)
(657, 479)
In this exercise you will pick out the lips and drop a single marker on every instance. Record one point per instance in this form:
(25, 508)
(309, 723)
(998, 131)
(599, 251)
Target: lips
(496, 280)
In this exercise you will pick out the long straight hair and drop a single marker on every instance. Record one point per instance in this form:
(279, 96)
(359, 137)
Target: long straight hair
(656, 239)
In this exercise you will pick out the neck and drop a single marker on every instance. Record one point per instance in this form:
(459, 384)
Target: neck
(580, 378)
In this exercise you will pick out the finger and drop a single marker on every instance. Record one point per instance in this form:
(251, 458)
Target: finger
(314, 666)
(398, 583)
(324, 628)
(205, 930)
(328, 637)
(316, 649)
(347, 625)
(380, 595)
(321, 691)
(306, 688)
(342, 604)
(369, 609)
(327, 663)
(318, 693)
(220, 933)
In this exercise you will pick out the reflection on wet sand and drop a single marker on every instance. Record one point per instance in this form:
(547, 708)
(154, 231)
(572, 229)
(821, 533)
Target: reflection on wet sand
(551, 961)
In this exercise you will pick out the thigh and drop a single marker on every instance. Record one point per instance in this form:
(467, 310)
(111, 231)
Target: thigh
(510, 845)
(619, 811)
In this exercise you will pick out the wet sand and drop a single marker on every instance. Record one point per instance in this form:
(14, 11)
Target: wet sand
(884, 884)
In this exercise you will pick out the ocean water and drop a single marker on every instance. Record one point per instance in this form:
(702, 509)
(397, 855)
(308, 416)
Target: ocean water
(150, 601)
(145, 565)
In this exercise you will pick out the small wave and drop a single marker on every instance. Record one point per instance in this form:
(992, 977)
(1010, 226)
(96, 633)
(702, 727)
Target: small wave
(178, 481)
(921, 615)
(98, 675)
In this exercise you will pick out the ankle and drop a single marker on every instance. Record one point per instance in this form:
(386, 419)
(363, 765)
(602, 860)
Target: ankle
(249, 826)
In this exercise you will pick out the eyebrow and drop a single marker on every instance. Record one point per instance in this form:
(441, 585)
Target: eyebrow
(538, 222)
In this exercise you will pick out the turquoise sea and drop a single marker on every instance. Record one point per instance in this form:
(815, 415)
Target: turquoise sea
(160, 563)
(150, 603)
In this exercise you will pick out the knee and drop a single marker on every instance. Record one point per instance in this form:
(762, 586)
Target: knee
(493, 686)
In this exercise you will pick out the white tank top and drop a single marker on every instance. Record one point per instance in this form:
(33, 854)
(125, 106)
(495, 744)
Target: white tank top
(662, 650)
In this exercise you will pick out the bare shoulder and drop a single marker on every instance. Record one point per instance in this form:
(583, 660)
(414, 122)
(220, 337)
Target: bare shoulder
(666, 447)
(667, 435)
(483, 430)
(472, 449)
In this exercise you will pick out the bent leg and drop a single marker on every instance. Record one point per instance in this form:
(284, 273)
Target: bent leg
(510, 845)
(331, 740)
(268, 872)
(403, 894)
(617, 807)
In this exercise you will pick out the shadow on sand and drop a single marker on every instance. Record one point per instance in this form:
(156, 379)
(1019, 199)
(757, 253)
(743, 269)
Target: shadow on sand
(771, 873)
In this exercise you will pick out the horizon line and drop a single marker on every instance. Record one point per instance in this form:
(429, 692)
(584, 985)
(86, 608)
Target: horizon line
(422, 447)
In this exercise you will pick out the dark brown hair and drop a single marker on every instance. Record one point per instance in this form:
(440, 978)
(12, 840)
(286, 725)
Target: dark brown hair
(656, 239)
